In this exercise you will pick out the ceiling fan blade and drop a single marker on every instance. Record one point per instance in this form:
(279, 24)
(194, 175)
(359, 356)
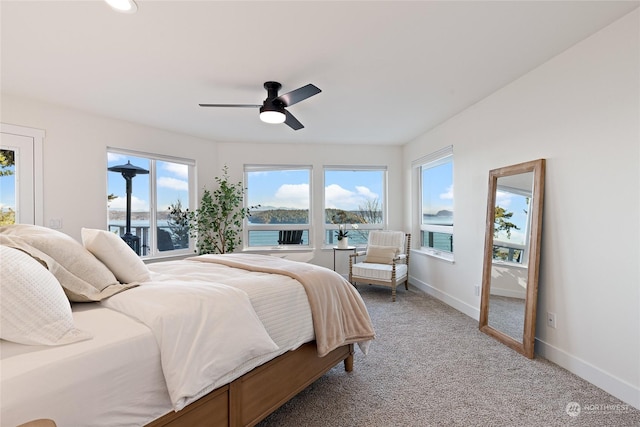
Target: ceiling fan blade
(291, 121)
(231, 105)
(299, 94)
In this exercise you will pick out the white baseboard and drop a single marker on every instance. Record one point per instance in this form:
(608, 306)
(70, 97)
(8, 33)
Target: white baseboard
(607, 382)
(461, 306)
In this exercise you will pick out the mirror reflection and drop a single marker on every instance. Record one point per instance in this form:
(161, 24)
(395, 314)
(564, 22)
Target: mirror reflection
(512, 216)
(509, 288)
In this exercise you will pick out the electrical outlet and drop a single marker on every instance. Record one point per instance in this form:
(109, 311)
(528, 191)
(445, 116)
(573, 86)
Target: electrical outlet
(477, 290)
(551, 320)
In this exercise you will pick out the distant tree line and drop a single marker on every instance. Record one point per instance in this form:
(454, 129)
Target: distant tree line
(368, 213)
(280, 216)
(301, 216)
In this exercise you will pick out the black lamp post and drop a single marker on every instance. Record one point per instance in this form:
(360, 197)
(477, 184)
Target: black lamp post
(128, 172)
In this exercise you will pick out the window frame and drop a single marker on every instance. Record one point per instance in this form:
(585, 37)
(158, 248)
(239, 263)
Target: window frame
(437, 158)
(153, 251)
(330, 228)
(248, 227)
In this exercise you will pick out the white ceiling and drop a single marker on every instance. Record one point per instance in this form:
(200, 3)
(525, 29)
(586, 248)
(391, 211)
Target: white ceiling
(388, 70)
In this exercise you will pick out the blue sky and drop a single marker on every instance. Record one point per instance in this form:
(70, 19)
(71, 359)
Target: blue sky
(290, 189)
(172, 183)
(8, 190)
(518, 205)
(438, 195)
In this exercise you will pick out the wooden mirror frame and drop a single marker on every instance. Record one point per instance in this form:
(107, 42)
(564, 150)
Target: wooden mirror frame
(526, 346)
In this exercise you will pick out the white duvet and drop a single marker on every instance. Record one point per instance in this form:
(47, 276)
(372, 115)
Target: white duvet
(189, 320)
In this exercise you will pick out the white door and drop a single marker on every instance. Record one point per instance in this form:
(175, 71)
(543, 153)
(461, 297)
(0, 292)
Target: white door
(19, 189)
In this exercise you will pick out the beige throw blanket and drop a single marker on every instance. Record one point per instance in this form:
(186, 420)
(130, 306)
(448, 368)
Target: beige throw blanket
(339, 314)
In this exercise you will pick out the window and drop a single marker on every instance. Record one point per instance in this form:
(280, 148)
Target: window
(436, 202)
(282, 218)
(354, 195)
(512, 223)
(157, 183)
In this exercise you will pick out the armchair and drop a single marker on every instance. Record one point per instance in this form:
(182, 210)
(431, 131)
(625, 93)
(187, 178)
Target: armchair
(385, 263)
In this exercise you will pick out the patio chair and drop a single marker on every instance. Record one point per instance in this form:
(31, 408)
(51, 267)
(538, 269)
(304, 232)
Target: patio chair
(290, 237)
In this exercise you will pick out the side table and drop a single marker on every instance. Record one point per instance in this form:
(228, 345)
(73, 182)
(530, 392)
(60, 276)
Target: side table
(337, 249)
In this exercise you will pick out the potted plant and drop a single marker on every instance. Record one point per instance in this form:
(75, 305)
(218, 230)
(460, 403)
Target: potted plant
(217, 222)
(343, 235)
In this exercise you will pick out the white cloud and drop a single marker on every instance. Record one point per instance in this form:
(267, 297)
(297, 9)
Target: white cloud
(503, 199)
(337, 197)
(181, 171)
(136, 204)
(448, 195)
(112, 157)
(291, 196)
(365, 192)
(173, 183)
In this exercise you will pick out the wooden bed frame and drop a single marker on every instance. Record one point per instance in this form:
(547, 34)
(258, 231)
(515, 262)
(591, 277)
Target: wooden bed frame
(252, 397)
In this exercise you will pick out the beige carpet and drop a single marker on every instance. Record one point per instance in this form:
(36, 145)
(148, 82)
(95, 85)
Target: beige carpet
(430, 366)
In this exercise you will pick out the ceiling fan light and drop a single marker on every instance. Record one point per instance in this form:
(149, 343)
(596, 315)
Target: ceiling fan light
(125, 6)
(272, 116)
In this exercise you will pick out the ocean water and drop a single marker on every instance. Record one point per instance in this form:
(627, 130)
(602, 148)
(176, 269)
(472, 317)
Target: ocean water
(256, 238)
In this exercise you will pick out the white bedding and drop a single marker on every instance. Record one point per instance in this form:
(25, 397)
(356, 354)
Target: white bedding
(116, 378)
(190, 322)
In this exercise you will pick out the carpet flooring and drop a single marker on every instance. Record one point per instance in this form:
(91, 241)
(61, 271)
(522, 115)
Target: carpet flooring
(431, 366)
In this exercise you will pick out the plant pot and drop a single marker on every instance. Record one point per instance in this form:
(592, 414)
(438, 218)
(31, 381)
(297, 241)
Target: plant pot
(343, 243)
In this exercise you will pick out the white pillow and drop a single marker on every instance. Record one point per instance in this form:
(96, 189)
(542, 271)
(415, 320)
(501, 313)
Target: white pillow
(381, 254)
(34, 309)
(109, 248)
(83, 276)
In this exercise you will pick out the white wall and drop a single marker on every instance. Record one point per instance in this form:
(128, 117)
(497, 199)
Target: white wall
(509, 280)
(75, 157)
(581, 112)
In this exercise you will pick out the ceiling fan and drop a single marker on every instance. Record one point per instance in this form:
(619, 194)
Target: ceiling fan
(272, 109)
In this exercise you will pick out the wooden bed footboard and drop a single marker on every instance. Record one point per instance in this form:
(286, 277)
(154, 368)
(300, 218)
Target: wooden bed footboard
(252, 397)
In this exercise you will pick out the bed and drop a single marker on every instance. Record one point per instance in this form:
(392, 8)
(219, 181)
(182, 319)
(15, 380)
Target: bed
(208, 340)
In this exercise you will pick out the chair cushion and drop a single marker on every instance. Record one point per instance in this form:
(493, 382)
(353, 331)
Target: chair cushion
(387, 238)
(367, 270)
(381, 254)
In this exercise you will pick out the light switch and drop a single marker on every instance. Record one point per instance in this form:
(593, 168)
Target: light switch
(55, 224)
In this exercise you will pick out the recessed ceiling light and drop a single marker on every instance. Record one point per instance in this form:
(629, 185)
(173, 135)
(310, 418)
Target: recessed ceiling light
(125, 6)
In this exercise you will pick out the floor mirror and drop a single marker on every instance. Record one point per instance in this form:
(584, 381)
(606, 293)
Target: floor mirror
(512, 255)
